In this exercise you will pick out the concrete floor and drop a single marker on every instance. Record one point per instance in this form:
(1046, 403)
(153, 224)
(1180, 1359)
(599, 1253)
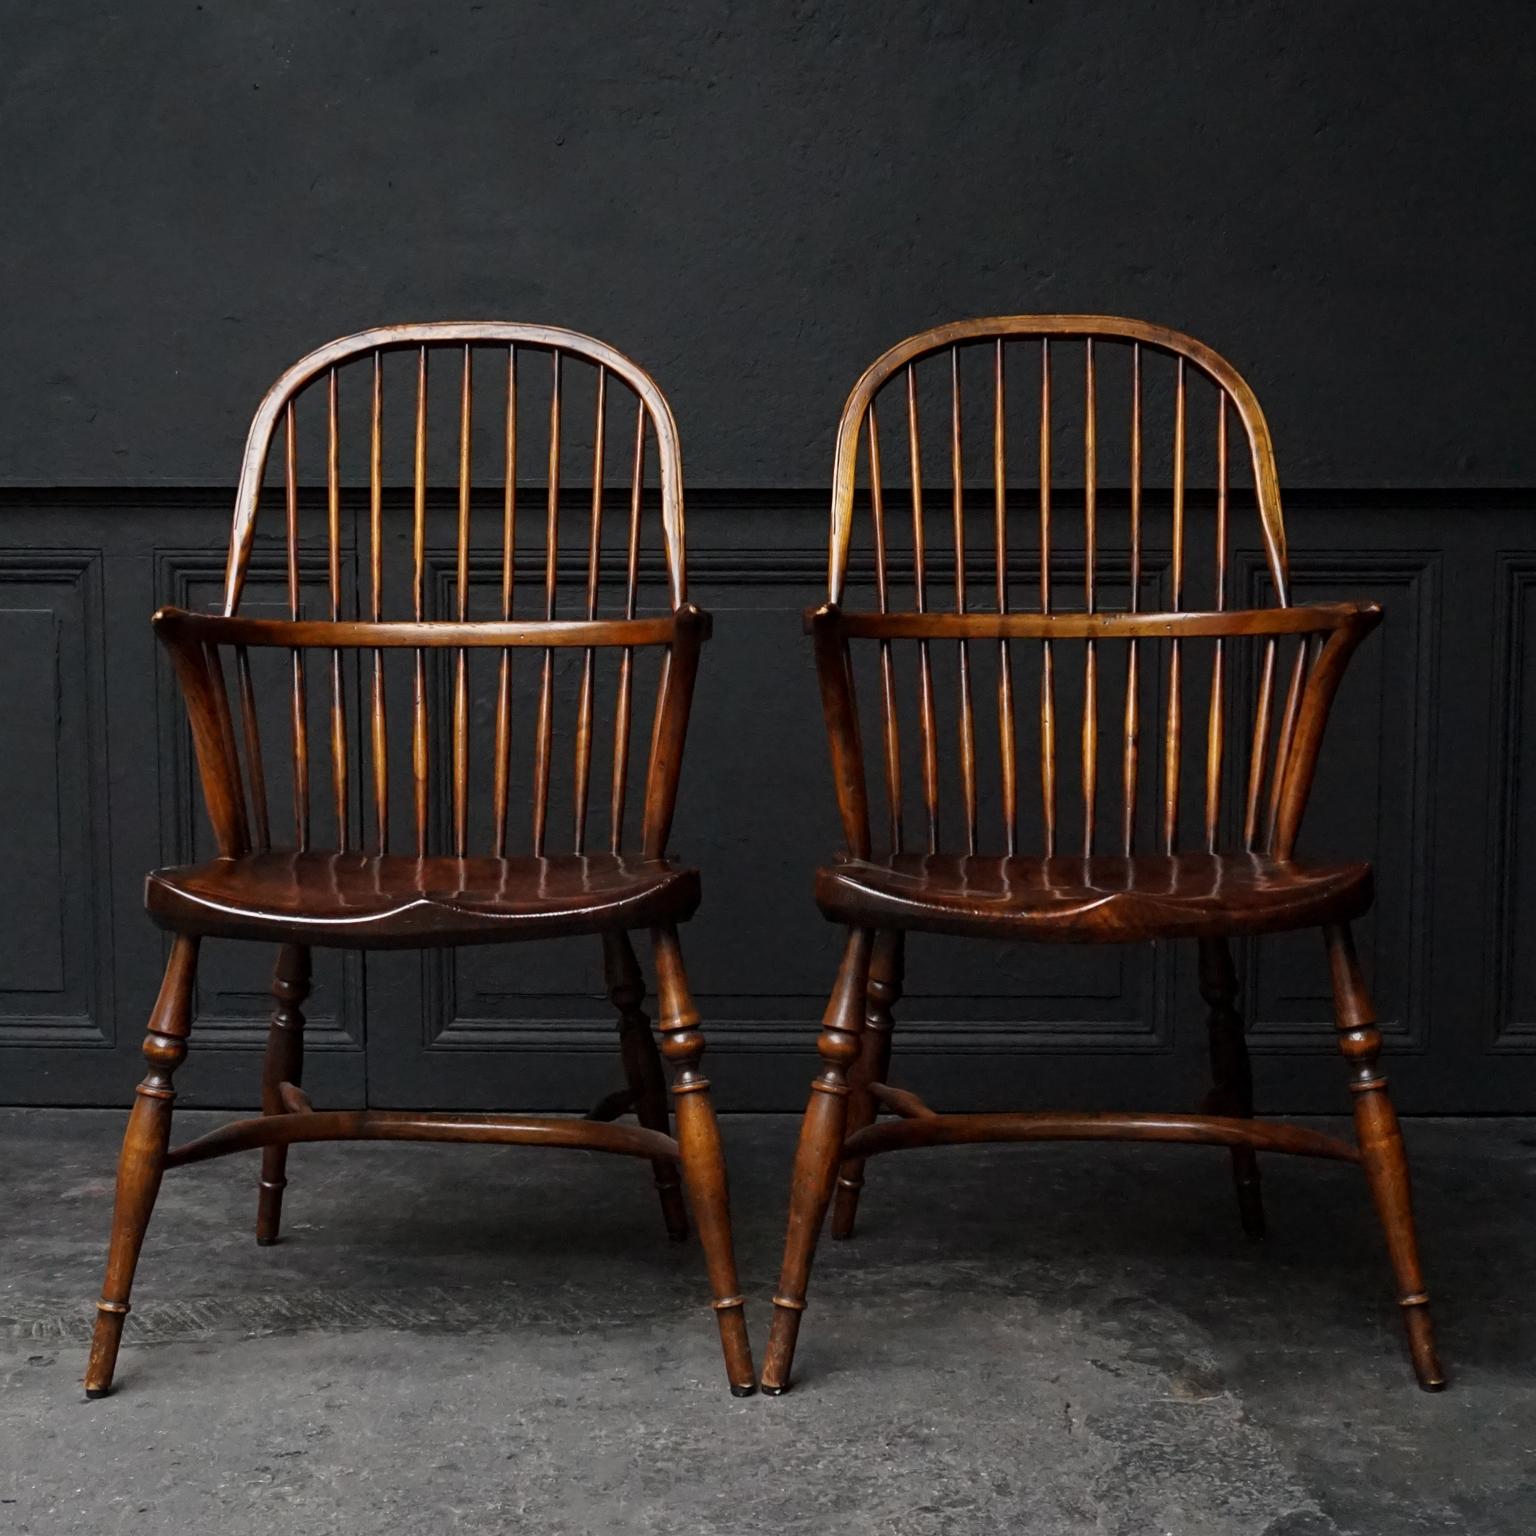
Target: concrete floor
(1027, 1339)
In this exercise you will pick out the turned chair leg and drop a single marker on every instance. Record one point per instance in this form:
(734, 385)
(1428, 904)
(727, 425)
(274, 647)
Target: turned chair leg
(881, 994)
(284, 1063)
(702, 1157)
(1231, 1078)
(822, 1133)
(1381, 1149)
(142, 1162)
(642, 1070)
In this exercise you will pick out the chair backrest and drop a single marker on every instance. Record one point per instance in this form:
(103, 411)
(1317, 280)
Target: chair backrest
(1088, 471)
(427, 537)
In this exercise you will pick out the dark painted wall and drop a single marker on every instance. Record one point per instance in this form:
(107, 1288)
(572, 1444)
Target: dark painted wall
(756, 198)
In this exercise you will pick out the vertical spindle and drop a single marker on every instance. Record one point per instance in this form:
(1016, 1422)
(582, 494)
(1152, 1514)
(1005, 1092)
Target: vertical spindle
(333, 541)
(1173, 743)
(957, 507)
(1132, 728)
(419, 762)
(461, 660)
(551, 556)
(890, 732)
(583, 763)
(254, 769)
(1047, 658)
(1005, 728)
(627, 660)
(1090, 592)
(926, 708)
(1214, 723)
(299, 713)
(502, 774)
(380, 733)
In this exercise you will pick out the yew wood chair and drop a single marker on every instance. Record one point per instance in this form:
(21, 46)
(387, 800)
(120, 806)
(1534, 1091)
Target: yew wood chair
(419, 793)
(1086, 674)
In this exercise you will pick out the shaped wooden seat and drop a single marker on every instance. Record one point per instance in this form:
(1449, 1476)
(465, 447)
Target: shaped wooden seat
(1036, 735)
(392, 901)
(1106, 897)
(441, 742)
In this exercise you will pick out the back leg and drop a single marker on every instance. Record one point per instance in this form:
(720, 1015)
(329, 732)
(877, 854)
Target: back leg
(284, 1063)
(142, 1163)
(1381, 1150)
(1231, 1078)
(881, 994)
(642, 1070)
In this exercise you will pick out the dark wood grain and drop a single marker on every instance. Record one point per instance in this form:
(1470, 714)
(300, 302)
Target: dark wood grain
(469, 876)
(1221, 871)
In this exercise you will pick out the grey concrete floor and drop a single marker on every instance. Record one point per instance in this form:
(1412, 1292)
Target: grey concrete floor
(1043, 1339)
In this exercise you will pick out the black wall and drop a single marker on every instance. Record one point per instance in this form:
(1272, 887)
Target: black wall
(754, 200)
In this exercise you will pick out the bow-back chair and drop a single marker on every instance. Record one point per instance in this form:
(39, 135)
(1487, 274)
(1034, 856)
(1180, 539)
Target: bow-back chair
(386, 771)
(1141, 726)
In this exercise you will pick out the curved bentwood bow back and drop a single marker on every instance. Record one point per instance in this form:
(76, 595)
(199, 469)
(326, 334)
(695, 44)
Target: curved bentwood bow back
(1071, 478)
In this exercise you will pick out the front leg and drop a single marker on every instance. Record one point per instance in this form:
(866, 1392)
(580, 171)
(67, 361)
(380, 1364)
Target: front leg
(702, 1157)
(142, 1163)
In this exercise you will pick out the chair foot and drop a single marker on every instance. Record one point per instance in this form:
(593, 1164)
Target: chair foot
(142, 1161)
(1231, 1076)
(1421, 1346)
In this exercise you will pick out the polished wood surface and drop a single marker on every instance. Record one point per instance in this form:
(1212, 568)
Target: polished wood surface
(361, 900)
(1102, 898)
(404, 823)
(1152, 728)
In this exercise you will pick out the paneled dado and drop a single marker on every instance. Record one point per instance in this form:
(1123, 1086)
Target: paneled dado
(1430, 768)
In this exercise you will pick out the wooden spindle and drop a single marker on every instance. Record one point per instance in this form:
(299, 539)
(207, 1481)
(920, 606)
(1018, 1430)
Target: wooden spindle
(1214, 723)
(1174, 738)
(1306, 649)
(627, 660)
(551, 556)
(957, 506)
(926, 709)
(1259, 748)
(890, 726)
(333, 541)
(502, 774)
(419, 762)
(226, 725)
(1090, 592)
(461, 660)
(1005, 728)
(299, 717)
(380, 731)
(583, 763)
(255, 771)
(1047, 658)
(1132, 728)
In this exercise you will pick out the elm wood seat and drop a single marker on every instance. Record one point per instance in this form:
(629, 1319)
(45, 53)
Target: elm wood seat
(1074, 900)
(1014, 708)
(372, 901)
(463, 755)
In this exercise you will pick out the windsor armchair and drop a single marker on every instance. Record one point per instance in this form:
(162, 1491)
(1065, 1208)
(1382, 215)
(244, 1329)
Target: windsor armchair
(1099, 868)
(399, 844)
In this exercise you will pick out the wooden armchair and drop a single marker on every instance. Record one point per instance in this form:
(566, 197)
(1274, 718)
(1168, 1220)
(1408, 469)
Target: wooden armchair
(410, 838)
(1101, 669)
